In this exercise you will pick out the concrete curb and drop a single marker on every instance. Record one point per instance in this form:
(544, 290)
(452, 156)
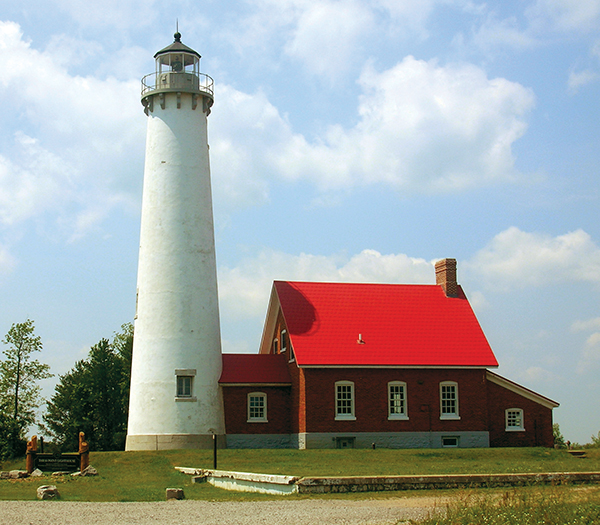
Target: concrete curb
(322, 485)
(276, 484)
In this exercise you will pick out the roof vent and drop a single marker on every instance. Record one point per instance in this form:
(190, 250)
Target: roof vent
(360, 340)
(445, 276)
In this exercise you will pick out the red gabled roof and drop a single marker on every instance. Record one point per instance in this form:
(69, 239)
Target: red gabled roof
(400, 324)
(254, 368)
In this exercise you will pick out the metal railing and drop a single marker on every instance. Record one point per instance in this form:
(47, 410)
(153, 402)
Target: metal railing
(172, 81)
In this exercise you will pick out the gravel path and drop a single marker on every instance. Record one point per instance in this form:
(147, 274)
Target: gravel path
(303, 512)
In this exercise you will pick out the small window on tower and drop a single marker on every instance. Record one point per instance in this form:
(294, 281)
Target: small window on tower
(185, 385)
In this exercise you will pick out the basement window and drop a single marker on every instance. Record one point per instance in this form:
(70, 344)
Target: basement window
(514, 420)
(450, 441)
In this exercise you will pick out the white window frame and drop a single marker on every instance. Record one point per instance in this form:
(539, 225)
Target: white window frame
(183, 375)
(275, 346)
(253, 418)
(508, 418)
(285, 340)
(344, 388)
(455, 413)
(392, 401)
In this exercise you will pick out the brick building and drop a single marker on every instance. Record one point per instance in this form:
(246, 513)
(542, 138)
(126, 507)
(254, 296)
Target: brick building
(398, 366)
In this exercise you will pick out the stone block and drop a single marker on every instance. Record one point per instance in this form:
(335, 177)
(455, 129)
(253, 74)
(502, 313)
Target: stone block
(18, 474)
(36, 473)
(89, 471)
(174, 494)
(47, 492)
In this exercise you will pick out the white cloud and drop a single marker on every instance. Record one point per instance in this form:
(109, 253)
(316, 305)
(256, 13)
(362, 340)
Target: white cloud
(115, 14)
(422, 128)
(77, 138)
(578, 79)
(590, 357)
(495, 34)
(330, 37)
(565, 15)
(589, 324)
(515, 258)
(537, 375)
(7, 262)
(327, 33)
(244, 290)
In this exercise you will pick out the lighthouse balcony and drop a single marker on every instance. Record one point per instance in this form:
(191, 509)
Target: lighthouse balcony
(171, 81)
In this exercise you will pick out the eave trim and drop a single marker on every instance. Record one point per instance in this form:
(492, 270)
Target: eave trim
(521, 390)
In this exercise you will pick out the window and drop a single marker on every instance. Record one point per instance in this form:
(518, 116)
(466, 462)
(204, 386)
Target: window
(450, 441)
(449, 400)
(284, 340)
(514, 420)
(257, 407)
(275, 346)
(344, 400)
(397, 400)
(344, 442)
(185, 384)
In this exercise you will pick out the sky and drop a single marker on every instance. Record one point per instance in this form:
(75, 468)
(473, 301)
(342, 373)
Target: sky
(350, 140)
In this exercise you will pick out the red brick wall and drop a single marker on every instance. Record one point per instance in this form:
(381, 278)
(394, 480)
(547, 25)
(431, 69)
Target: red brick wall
(537, 420)
(371, 409)
(235, 400)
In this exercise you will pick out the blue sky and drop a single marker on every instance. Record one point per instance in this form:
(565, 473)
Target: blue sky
(355, 140)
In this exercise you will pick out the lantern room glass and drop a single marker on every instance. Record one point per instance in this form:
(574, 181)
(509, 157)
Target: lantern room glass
(178, 62)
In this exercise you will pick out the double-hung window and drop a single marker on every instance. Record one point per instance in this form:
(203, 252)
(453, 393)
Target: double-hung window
(344, 400)
(397, 400)
(257, 407)
(449, 400)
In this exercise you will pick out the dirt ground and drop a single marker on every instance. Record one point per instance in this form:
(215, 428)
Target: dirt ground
(291, 512)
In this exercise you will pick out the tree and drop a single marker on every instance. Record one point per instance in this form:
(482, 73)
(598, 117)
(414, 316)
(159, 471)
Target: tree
(559, 440)
(595, 441)
(19, 388)
(93, 397)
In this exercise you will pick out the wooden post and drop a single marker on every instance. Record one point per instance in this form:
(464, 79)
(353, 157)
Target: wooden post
(84, 452)
(31, 452)
(215, 451)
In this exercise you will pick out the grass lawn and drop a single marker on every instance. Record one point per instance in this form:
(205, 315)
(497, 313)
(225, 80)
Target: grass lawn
(144, 476)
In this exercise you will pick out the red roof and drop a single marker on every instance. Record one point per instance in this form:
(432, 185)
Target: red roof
(399, 324)
(254, 368)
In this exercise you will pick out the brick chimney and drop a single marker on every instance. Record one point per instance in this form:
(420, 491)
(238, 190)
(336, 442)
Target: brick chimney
(445, 276)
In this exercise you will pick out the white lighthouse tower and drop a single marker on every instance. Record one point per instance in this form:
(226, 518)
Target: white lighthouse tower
(175, 400)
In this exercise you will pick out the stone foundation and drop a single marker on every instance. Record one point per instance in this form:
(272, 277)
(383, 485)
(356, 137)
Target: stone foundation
(172, 441)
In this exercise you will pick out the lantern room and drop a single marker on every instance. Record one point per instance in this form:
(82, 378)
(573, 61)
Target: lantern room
(177, 69)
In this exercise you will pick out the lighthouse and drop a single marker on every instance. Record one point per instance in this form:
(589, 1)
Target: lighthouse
(175, 401)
